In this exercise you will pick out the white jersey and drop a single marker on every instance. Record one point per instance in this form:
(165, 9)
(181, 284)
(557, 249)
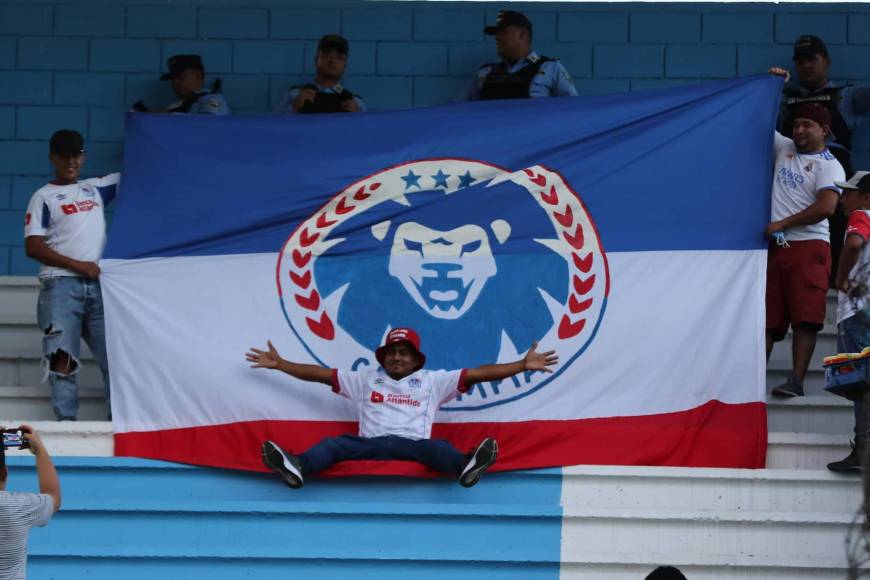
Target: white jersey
(71, 219)
(797, 179)
(18, 513)
(857, 225)
(405, 408)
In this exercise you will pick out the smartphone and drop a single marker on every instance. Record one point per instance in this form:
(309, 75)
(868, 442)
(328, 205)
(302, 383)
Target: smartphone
(13, 438)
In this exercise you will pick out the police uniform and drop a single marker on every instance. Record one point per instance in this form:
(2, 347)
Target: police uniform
(203, 102)
(530, 77)
(327, 100)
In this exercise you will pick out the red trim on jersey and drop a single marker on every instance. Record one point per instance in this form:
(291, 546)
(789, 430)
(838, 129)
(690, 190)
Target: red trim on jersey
(714, 434)
(858, 225)
(336, 386)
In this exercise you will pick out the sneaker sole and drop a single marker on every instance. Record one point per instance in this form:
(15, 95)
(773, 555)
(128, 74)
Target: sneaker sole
(472, 476)
(275, 460)
(782, 393)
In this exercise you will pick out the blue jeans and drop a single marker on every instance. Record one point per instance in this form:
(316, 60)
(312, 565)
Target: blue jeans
(853, 335)
(438, 454)
(70, 309)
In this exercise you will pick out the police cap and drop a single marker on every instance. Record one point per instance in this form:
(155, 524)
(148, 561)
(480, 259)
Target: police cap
(332, 42)
(179, 63)
(809, 45)
(507, 18)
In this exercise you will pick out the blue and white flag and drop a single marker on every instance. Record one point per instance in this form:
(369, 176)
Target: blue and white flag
(624, 231)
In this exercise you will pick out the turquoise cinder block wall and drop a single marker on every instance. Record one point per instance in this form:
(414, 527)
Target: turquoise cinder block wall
(81, 64)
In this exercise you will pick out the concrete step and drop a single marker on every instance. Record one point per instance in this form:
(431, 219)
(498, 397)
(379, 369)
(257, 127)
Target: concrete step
(18, 294)
(687, 537)
(779, 371)
(805, 451)
(714, 490)
(69, 438)
(20, 366)
(822, 414)
(35, 403)
(826, 345)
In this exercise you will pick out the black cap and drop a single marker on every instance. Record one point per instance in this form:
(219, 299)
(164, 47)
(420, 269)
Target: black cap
(507, 18)
(808, 45)
(67, 142)
(332, 42)
(179, 63)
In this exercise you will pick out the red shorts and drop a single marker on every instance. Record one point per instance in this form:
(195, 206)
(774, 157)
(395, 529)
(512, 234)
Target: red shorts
(797, 283)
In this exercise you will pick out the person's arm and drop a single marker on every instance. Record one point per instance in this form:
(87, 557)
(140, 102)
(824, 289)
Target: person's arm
(533, 361)
(824, 207)
(848, 258)
(860, 100)
(49, 483)
(270, 359)
(857, 234)
(36, 248)
(106, 185)
(354, 105)
(563, 85)
(471, 91)
(304, 95)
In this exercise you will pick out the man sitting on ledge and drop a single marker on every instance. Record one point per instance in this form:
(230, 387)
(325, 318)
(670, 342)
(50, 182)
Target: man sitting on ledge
(397, 406)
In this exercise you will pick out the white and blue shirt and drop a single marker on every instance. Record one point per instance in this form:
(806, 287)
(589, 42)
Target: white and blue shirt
(797, 180)
(71, 219)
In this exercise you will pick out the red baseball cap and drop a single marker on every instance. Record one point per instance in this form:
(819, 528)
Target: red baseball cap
(401, 335)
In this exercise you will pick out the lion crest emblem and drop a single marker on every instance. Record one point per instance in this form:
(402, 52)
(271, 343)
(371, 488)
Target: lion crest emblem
(480, 260)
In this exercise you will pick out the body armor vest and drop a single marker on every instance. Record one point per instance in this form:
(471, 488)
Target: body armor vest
(185, 104)
(500, 84)
(327, 102)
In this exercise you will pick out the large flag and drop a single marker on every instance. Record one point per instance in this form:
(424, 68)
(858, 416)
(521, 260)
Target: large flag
(623, 231)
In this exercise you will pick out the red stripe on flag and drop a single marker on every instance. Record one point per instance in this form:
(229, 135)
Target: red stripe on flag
(715, 434)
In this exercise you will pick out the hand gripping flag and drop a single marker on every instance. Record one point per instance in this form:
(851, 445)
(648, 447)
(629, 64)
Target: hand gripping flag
(625, 232)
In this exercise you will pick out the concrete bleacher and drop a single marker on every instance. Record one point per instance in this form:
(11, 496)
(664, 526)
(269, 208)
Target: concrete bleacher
(135, 519)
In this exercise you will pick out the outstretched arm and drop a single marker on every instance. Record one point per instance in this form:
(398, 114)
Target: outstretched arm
(533, 361)
(270, 359)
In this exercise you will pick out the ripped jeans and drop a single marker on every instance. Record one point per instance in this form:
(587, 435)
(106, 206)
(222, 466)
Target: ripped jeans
(70, 309)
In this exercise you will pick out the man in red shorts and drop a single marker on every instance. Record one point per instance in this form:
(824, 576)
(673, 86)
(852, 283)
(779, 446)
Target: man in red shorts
(799, 262)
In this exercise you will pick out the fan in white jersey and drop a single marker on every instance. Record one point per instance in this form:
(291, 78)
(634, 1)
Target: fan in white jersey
(396, 406)
(853, 285)
(65, 231)
(799, 264)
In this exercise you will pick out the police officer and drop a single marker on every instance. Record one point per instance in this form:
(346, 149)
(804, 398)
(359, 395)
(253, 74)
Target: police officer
(845, 103)
(521, 73)
(326, 94)
(187, 76)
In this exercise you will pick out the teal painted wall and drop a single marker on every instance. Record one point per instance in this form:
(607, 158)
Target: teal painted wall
(81, 64)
